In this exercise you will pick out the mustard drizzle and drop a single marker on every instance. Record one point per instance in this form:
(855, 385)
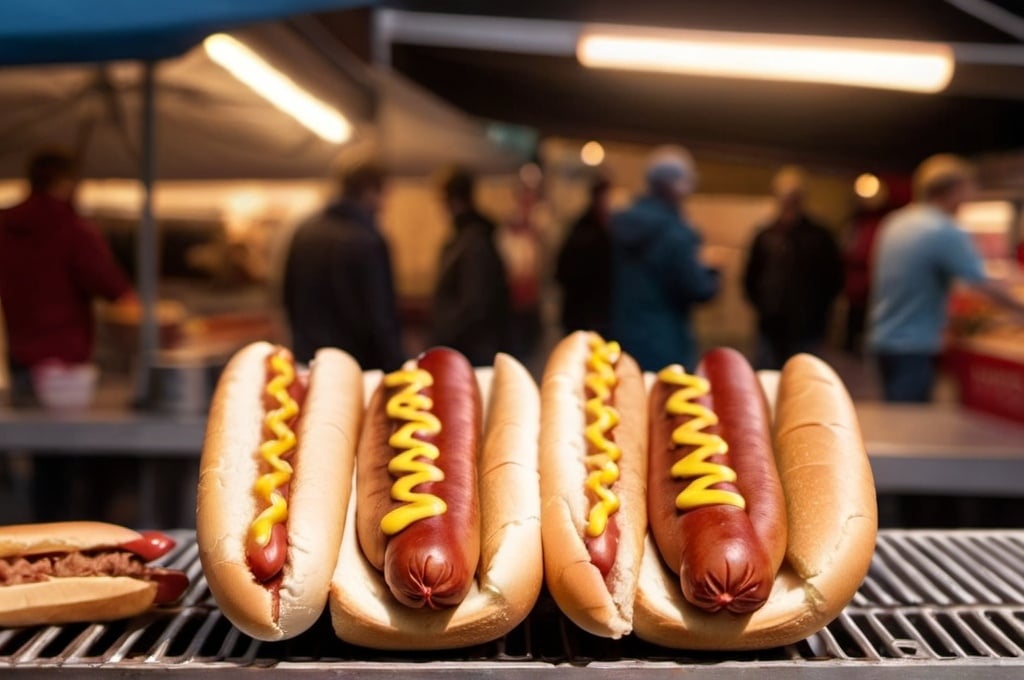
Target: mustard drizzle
(273, 451)
(408, 467)
(695, 465)
(603, 463)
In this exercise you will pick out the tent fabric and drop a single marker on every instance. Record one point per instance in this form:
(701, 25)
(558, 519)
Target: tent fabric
(76, 31)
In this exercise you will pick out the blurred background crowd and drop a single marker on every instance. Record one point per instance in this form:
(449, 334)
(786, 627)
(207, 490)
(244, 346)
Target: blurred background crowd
(466, 186)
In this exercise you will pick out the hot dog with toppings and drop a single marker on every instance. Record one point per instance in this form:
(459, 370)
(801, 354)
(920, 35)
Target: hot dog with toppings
(442, 544)
(274, 480)
(64, 572)
(593, 451)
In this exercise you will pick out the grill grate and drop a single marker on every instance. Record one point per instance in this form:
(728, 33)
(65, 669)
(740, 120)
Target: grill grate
(936, 600)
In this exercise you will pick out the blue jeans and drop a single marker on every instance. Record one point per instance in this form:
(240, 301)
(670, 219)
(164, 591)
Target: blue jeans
(907, 377)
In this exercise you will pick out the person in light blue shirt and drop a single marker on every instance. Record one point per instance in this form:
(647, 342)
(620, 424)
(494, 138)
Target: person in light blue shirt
(920, 252)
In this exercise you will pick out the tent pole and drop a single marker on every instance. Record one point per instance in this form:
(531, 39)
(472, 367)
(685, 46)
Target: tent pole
(146, 255)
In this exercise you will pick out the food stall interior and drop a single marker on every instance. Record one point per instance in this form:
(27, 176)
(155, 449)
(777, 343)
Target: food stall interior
(946, 601)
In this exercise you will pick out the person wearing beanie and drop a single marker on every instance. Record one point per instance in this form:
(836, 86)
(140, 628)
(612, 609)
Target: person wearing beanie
(920, 252)
(657, 276)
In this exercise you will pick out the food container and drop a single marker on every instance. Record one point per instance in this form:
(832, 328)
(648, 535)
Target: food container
(65, 387)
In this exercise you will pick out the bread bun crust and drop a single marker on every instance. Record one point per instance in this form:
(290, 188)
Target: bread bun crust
(363, 610)
(832, 519)
(599, 606)
(328, 425)
(74, 599)
(17, 540)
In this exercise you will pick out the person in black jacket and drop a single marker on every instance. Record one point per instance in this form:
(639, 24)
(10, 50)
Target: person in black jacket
(471, 300)
(794, 272)
(585, 266)
(338, 285)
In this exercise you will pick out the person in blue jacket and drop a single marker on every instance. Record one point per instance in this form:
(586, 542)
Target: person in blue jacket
(657, 276)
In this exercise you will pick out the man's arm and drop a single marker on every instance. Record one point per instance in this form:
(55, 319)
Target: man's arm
(960, 259)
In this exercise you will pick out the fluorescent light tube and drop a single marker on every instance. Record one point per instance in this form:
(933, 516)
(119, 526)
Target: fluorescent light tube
(888, 64)
(277, 88)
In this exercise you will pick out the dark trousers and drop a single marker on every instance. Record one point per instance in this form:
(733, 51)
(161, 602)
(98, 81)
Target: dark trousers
(907, 377)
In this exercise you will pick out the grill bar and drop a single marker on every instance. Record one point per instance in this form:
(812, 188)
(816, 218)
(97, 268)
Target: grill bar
(933, 601)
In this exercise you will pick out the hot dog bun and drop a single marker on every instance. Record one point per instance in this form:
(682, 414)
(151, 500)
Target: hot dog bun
(226, 505)
(832, 521)
(70, 599)
(508, 580)
(599, 607)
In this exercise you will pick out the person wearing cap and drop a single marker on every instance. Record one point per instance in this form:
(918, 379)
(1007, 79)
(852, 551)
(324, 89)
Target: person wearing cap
(920, 252)
(338, 289)
(794, 272)
(657, 276)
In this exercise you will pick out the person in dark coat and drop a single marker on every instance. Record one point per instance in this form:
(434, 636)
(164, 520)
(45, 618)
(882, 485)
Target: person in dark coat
(657, 275)
(338, 286)
(585, 266)
(794, 272)
(471, 300)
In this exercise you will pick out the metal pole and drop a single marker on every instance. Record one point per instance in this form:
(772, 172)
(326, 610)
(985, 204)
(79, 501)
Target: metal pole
(146, 251)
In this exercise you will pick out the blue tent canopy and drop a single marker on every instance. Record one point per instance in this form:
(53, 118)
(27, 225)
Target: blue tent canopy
(72, 31)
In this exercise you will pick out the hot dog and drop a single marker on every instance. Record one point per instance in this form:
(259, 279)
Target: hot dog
(830, 510)
(593, 452)
(418, 517)
(442, 544)
(274, 479)
(65, 572)
(714, 499)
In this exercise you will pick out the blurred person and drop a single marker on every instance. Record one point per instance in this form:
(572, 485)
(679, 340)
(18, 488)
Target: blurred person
(921, 250)
(338, 288)
(585, 265)
(656, 274)
(858, 256)
(53, 265)
(793, 274)
(519, 244)
(471, 307)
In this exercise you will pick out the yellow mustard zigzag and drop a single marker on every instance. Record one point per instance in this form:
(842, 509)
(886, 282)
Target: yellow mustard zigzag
(273, 450)
(603, 466)
(695, 465)
(408, 467)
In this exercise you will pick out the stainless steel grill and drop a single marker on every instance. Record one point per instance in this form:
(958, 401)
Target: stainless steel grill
(936, 604)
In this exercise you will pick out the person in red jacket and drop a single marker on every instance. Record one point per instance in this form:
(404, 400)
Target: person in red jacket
(53, 264)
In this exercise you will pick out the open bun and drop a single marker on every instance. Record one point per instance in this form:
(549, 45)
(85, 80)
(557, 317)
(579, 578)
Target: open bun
(832, 520)
(599, 606)
(363, 610)
(326, 434)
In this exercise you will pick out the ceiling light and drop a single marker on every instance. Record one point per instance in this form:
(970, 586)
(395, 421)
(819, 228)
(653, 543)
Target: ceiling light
(867, 185)
(592, 153)
(277, 88)
(889, 64)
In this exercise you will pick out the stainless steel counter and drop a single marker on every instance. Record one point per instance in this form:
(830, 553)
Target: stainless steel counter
(935, 605)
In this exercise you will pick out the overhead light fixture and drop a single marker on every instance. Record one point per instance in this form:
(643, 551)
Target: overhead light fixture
(277, 88)
(867, 185)
(592, 153)
(888, 64)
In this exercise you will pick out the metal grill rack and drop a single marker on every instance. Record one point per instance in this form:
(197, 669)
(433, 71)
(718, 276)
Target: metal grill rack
(936, 604)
